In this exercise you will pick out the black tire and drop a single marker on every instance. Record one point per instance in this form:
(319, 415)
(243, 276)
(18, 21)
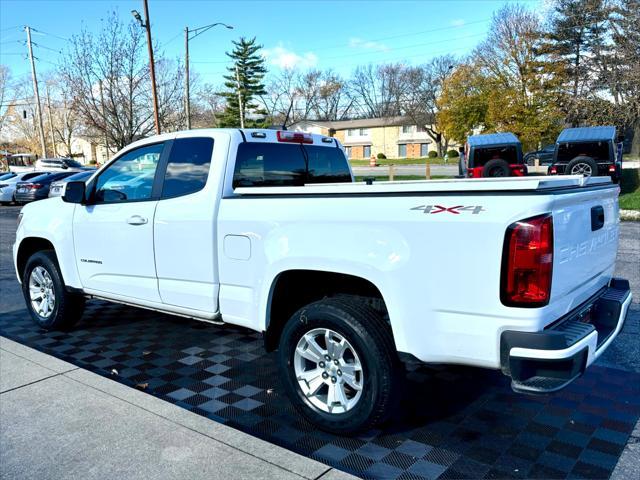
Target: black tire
(67, 307)
(496, 168)
(582, 163)
(371, 339)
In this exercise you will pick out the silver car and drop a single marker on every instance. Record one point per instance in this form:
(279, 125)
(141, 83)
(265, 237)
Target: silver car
(57, 188)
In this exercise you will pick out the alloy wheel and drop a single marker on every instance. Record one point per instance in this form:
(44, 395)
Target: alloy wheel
(581, 169)
(41, 292)
(328, 371)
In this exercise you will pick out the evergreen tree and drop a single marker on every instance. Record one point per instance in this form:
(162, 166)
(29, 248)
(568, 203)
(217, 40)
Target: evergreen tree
(245, 77)
(574, 46)
(624, 80)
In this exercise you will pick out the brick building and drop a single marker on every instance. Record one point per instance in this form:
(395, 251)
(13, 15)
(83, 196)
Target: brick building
(396, 137)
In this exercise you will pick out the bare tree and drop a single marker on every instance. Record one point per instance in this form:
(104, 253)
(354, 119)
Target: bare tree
(20, 119)
(377, 91)
(424, 88)
(5, 94)
(208, 107)
(115, 59)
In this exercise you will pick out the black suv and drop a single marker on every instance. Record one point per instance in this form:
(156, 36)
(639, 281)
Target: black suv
(544, 156)
(587, 151)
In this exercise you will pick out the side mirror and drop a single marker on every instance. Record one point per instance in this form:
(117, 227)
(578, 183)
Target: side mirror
(74, 192)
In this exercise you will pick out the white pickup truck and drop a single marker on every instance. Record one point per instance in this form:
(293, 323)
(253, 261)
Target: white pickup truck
(266, 229)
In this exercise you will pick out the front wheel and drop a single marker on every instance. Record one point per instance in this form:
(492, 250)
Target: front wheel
(48, 302)
(339, 365)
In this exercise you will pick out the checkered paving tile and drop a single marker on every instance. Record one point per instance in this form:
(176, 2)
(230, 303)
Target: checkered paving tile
(454, 422)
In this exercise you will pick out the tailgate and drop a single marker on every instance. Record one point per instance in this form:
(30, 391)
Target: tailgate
(585, 225)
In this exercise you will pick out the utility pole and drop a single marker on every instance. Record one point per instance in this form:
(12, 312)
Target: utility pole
(187, 106)
(196, 32)
(152, 68)
(239, 98)
(53, 138)
(104, 121)
(43, 143)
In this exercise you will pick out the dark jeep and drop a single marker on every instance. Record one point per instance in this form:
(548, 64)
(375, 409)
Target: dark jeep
(587, 151)
(495, 155)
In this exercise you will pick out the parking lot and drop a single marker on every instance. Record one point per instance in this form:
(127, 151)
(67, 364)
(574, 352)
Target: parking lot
(454, 422)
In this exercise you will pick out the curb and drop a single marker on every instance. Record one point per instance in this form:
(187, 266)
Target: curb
(630, 215)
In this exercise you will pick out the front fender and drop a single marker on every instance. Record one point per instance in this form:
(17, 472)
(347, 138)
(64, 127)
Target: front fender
(51, 220)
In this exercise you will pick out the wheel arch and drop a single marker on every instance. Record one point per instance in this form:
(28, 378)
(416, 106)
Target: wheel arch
(289, 291)
(28, 246)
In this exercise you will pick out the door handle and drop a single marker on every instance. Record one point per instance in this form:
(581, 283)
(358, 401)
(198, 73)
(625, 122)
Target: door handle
(136, 220)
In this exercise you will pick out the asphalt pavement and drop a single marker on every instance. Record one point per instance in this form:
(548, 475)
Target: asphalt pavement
(59, 421)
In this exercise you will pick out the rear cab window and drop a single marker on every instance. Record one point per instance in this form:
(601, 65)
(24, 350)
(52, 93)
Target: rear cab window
(288, 164)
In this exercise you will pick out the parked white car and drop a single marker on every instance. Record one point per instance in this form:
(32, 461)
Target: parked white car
(58, 165)
(57, 188)
(265, 229)
(8, 186)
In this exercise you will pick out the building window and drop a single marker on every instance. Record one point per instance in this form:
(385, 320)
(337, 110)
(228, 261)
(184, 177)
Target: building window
(366, 151)
(424, 149)
(351, 132)
(421, 128)
(364, 132)
(347, 151)
(408, 129)
(402, 150)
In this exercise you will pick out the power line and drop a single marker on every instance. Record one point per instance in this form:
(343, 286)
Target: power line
(51, 35)
(10, 28)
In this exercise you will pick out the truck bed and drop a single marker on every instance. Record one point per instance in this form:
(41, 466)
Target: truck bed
(510, 184)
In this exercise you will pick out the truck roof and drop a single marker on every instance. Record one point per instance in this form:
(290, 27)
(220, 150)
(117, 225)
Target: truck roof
(492, 139)
(587, 134)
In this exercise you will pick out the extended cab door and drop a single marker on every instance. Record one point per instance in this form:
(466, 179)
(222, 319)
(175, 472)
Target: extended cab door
(113, 234)
(184, 225)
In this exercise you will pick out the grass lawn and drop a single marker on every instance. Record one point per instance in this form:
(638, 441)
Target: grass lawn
(385, 178)
(630, 201)
(405, 161)
(630, 189)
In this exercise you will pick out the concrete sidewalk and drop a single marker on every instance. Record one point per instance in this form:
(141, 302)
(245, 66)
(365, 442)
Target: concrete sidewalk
(60, 421)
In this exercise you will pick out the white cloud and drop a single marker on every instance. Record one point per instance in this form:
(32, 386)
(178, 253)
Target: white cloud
(458, 22)
(281, 57)
(356, 42)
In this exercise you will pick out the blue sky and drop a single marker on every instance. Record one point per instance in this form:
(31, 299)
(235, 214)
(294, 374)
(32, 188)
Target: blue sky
(329, 34)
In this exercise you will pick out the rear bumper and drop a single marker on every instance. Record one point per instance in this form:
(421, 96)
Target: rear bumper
(546, 361)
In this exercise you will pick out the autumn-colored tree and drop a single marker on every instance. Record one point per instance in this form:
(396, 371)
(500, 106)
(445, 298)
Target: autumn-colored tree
(463, 103)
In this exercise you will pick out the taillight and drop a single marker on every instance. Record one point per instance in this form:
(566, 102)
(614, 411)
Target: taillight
(612, 168)
(294, 137)
(553, 171)
(527, 263)
(35, 186)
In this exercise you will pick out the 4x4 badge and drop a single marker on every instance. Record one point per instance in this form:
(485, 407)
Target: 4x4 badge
(457, 210)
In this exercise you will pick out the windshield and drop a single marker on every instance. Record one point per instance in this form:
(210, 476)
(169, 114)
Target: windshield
(72, 163)
(481, 155)
(595, 150)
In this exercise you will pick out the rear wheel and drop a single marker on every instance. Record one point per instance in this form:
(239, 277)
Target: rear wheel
(585, 166)
(48, 302)
(496, 168)
(339, 365)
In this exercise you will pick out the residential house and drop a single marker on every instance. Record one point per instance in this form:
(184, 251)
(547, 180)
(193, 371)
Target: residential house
(395, 137)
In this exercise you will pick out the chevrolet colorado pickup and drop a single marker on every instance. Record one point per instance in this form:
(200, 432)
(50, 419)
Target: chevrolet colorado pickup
(267, 230)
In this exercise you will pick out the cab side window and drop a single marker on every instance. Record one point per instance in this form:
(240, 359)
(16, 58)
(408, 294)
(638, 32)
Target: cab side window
(188, 166)
(130, 177)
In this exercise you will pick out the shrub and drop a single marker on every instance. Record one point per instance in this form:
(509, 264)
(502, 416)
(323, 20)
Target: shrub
(433, 154)
(381, 156)
(630, 180)
(452, 153)
(92, 162)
